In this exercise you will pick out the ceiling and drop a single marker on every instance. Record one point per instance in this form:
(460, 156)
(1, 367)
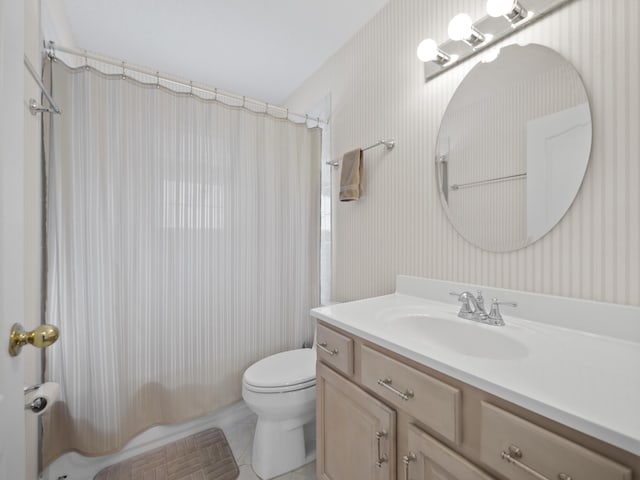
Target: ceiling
(263, 49)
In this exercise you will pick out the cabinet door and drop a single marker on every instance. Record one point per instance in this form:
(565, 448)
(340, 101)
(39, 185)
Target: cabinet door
(428, 459)
(356, 433)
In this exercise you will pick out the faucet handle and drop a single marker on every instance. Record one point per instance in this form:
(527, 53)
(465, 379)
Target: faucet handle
(461, 297)
(495, 317)
(508, 304)
(465, 308)
(480, 301)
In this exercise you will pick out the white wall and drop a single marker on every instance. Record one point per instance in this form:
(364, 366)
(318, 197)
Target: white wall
(55, 24)
(399, 225)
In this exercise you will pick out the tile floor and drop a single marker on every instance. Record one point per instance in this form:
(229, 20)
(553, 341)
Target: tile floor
(240, 438)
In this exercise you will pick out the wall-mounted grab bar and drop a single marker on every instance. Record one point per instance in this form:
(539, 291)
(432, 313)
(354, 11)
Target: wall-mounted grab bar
(387, 143)
(458, 186)
(34, 107)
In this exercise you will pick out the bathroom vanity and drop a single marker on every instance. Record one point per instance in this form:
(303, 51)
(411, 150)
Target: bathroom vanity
(406, 389)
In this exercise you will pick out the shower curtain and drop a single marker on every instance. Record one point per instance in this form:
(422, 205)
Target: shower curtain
(183, 241)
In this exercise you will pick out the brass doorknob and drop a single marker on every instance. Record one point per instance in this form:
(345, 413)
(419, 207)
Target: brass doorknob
(41, 337)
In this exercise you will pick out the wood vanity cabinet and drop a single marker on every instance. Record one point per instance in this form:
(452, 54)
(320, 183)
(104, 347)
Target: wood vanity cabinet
(381, 416)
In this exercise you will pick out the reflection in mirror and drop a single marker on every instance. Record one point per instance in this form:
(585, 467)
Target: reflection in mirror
(513, 147)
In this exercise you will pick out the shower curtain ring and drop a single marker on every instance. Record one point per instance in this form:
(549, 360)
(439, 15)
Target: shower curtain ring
(123, 74)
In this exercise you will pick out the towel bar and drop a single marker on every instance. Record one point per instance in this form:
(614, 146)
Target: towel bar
(387, 143)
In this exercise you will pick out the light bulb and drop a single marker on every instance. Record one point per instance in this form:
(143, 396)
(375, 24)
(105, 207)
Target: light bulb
(427, 50)
(460, 27)
(498, 8)
(490, 55)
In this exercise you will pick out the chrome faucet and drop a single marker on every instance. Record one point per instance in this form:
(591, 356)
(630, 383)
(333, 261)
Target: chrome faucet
(473, 308)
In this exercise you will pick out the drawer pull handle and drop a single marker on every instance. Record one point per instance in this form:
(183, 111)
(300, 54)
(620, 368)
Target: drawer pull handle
(382, 457)
(513, 456)
(410, 457)
(323, 346)
(386, 383)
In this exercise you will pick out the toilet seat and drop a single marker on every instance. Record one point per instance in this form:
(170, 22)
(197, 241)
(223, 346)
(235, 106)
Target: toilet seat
(283, 372)
(280, 389)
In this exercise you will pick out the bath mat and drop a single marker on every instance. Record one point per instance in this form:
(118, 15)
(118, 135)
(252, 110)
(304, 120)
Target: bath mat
(203, 456)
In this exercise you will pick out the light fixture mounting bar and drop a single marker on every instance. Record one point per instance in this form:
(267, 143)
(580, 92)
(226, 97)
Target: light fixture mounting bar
(517, 14)
(476, 38)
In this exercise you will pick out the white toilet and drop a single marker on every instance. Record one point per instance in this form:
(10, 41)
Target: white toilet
(281, 390)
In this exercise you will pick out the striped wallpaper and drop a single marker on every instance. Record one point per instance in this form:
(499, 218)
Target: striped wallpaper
(399, 227)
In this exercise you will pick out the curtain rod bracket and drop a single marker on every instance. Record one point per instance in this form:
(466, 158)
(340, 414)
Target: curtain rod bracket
(35, 108)
(33, 105)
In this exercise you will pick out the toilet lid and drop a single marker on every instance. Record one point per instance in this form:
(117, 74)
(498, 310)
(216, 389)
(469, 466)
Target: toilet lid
(294, 367)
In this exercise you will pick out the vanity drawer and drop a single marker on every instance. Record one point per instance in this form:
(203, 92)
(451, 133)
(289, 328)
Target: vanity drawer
(520, 450)
(335, 349)
(428, 400)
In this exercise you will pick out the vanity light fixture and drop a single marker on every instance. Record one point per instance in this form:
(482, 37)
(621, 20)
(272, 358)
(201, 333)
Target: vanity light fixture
(468, 37)
(461, 28)
(509, 9)
(428, 51)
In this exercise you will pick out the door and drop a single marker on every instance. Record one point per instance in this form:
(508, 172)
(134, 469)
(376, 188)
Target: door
(428, 459)
(11, 234)
(356, 432)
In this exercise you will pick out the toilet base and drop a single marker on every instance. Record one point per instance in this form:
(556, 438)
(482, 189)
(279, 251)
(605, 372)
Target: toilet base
(279, 447)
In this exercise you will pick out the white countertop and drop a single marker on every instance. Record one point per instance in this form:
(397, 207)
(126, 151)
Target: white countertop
(585, 380)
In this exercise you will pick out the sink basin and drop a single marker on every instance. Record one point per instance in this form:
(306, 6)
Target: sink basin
(446, 330)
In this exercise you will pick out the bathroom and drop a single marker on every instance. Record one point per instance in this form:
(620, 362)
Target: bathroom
(370, 87)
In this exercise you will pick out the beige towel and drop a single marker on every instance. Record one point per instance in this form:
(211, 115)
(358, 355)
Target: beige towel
(351, 176)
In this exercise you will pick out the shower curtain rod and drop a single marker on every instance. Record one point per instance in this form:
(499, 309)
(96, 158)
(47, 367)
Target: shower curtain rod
(243, 101)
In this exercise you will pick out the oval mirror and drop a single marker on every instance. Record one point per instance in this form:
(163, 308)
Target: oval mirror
(513, 147)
